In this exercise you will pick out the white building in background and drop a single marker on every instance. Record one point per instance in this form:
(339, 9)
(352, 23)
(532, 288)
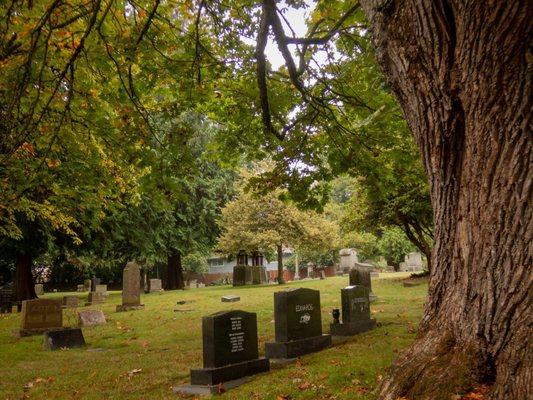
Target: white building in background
(221, 265)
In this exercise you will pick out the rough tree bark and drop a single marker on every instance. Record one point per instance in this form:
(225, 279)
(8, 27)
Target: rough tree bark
(281, 281)
(461, 71)
(174, 272)
(24, 285)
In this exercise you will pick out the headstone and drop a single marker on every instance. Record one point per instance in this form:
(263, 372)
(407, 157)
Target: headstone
(80, 288)
(298, 324)
(94, 282)
(87, 284)
(39, 289)
(361, 276)
(40, 315)
(230, 298)
(412, 263)
(155, 285)
(63, 339)
(131, 288)
(91, 318)
(7, 298)
(239, 275)
(95, 298)
(355, 312)
(70, 302)
(230, 349)
(348, 258)
(101, 289)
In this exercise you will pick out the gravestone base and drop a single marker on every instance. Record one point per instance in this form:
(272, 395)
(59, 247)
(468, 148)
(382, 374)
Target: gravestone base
(121, 308)
(352, 328)
(206, 390)
(214, 376)
(296, 348)
(63, 339)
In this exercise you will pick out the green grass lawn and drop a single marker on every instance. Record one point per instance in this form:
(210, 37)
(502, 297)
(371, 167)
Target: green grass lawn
(164, 344)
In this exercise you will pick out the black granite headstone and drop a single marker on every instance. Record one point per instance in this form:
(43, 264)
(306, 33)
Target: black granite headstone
(230, 348)
(94, 282)
(355, 312)
(63, 339)
(361, 276)
(298, 324)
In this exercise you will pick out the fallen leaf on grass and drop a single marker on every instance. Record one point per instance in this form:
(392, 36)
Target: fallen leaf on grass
(304, 386)
(283, 397)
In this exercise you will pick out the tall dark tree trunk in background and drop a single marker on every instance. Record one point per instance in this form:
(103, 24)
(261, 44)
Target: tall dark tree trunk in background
(24, 285)
(280, 265)
(461, 71)
(174, 272)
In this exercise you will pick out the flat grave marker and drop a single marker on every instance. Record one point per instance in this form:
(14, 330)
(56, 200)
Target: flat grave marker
(91, 318)
(63, 339)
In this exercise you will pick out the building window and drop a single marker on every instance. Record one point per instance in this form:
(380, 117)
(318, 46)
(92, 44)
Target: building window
(216, 262)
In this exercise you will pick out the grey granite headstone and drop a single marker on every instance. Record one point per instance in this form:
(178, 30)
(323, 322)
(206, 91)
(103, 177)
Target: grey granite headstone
(70, 302)
(95, 298)
(91, 318)
(131, 288)
(155, 285)
(63, 339)
(355, 312)
(298, 324)
(230, 349)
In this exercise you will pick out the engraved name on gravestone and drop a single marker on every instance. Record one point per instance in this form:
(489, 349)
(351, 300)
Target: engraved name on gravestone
(40, 315)
(297, 314)
(298, 324)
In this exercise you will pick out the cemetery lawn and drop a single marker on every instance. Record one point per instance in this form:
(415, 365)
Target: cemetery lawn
(142, 354)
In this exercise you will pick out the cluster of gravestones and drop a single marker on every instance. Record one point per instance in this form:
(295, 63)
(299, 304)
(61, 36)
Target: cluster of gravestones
(230, 345)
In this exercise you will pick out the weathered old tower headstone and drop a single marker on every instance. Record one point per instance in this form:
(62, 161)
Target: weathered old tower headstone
(131, 288)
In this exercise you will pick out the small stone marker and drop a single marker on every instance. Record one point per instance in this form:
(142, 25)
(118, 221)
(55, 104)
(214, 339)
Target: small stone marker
(230, 298)
(131, 288)
(155, 285)
(94, 282)
(374, 274)
(63, 339)
(95, 298)
(361, 276)
(40, 315)
(230, 351)
(80, 288)
(355, 312)
(91, 318)
(70, 302)
(298, 324)
(39, 289)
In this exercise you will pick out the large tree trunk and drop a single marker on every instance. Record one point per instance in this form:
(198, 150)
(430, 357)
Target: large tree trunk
(24, 285)
(174, 272)
(280, 265)
(461, 71)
